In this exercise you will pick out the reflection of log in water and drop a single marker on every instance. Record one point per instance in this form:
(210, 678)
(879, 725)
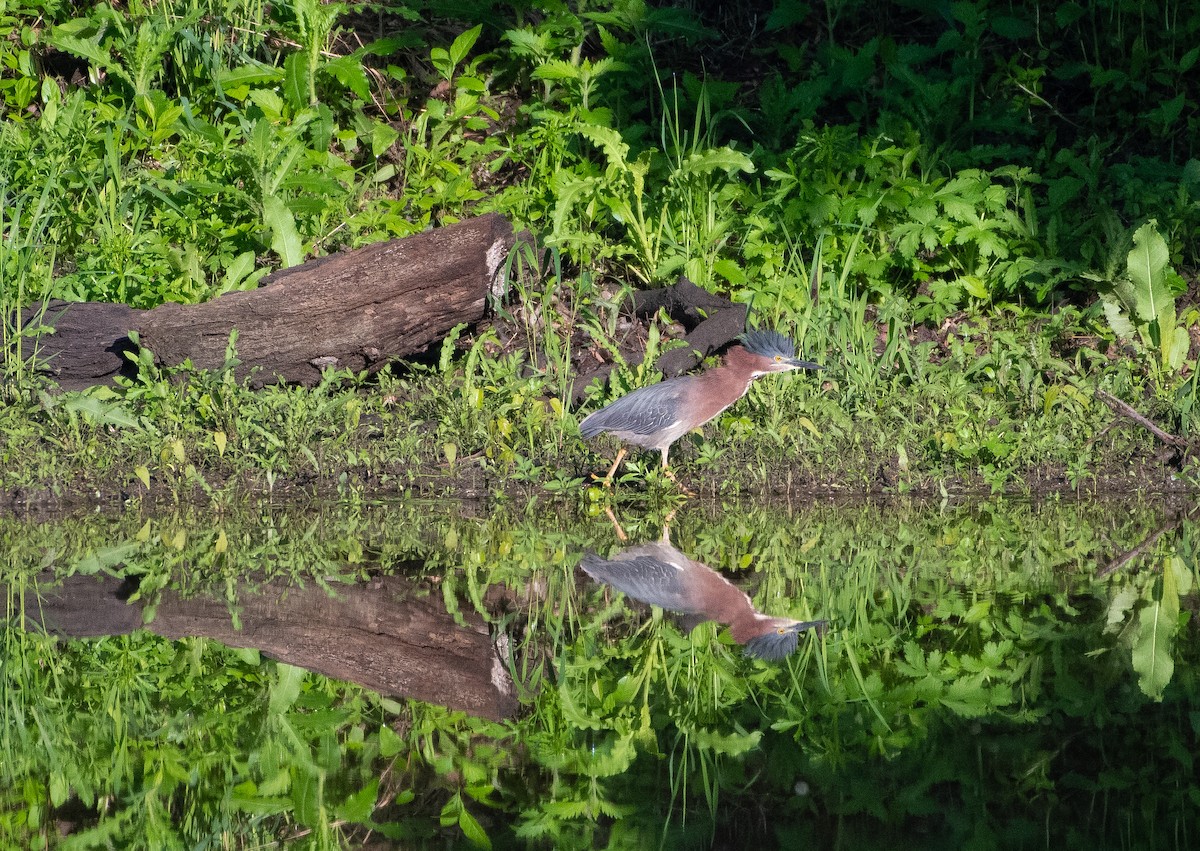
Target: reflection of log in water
(383, 635)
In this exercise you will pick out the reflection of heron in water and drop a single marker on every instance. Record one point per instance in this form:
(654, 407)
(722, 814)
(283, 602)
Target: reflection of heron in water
(658, 574)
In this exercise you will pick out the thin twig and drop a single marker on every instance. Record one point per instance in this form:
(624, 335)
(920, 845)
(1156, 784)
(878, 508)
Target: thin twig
(1124, 558)
(1126, 410)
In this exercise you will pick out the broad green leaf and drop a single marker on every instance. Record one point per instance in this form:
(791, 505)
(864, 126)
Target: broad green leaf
(1145, 293)
(730, 271)
(1152, 647)
(306, 796)
(61, 38)
(296, 73)
(285, 240)
(463, 44)
(105, 558)
(1119, 607)
(719, 159)
(1118, 320)
(609, 141)
(473, 830)
(286, 687)
(390, 742)
(237, 82)
(348, 71)
(100, 413)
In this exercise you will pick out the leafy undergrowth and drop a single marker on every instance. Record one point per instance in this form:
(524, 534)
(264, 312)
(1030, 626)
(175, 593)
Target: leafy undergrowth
(976, 251)
(946, 418)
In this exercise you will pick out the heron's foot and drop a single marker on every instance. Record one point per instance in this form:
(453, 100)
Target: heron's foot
(621, 536)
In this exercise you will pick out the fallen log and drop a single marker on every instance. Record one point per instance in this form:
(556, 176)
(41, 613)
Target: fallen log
(387, 635)
(353, 310)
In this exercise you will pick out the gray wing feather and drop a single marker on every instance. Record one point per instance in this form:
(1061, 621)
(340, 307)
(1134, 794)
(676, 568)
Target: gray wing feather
(642, 412)
(643, 578)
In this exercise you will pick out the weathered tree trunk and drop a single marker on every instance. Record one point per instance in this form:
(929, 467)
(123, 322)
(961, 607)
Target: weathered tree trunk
(354, 310)
(88, 345)
(350, 310)
(384, 635)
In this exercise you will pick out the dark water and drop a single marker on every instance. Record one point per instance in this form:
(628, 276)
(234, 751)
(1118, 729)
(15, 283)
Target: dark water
(993, 675)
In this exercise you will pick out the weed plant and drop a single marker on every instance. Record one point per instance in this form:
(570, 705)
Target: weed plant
(974, 655)
(959, 234)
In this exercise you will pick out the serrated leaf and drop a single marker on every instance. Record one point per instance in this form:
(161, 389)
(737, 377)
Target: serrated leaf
(1152, 648)
(556, 69)
(609, 142)
(296, 72)
(306, 797)
(286, 687)
(359, 806)
(732, 744)
(348, 70)
(718, 159)
(285, 239)
(1117, 319)
(1145, 291)
(1119, 607)
(100, 413)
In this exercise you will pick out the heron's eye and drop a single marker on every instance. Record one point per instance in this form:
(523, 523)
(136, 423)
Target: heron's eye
(781, 630)
(778, 358)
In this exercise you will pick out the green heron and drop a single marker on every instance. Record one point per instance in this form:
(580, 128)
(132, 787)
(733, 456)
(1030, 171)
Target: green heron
(654, 417)
(659, 574)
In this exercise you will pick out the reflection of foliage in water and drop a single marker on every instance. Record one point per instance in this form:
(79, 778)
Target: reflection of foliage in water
(978, 684)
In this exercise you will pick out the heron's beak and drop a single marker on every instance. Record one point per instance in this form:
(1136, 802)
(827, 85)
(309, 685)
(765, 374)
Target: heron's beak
(796, 363)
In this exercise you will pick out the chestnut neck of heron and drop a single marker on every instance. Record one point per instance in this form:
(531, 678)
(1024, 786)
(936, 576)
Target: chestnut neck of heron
(733, 376)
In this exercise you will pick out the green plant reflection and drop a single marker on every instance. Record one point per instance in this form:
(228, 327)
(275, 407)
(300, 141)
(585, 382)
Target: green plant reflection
(997, 674)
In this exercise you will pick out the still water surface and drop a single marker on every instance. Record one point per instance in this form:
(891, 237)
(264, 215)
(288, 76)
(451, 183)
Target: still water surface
(993, 675)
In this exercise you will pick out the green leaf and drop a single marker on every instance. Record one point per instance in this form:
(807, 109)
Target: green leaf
(359, 806)
(285, 239)
(718, 159)
(473, 830)
(348, 71)
(286, 687)
(390, 742)
(556, 69)
(306, 797)
(730, 271)
(296, 72)
(463, 44)
(733, 744)
(105, 558)
(100, 413)
(64, 38)
(1152, 648)
(1144, 293)
(609, 141)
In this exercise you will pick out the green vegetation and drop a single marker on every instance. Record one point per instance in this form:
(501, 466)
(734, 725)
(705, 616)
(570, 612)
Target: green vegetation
(1005, 674)
(978, 216)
